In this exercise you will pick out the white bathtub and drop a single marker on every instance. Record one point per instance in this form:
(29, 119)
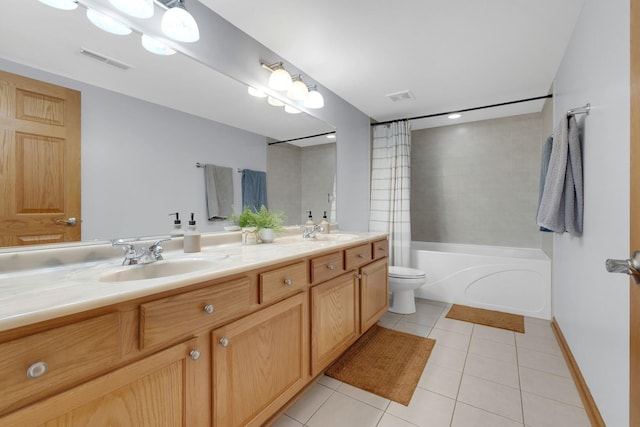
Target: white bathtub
(514, 280)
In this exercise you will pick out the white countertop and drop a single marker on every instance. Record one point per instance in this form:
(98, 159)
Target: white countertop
(43, 284)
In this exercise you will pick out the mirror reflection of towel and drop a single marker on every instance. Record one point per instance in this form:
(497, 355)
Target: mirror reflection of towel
(219, 191)
(254, 189)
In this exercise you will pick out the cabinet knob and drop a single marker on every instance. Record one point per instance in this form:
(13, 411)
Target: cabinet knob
(194, 354)
(37, 370)
(366, 273)
(381, 248)
(330, 267)
(209, 308)
(224, 342)
(358, 276)
(360, 255)
(288, 282)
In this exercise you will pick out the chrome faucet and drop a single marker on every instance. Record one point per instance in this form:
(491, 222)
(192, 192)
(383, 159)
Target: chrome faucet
(148, 255)
(309, 231)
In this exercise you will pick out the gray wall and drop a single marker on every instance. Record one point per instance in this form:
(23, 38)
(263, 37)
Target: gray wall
(299, 179)
(477, 183)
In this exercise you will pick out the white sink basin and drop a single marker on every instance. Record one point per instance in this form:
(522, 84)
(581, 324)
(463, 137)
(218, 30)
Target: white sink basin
(155, 270)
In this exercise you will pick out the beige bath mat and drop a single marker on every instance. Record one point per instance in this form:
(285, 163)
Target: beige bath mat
(385, 362)
(481, 316)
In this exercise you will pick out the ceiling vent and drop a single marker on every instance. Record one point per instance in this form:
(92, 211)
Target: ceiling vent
(105, 59)
(400, 96)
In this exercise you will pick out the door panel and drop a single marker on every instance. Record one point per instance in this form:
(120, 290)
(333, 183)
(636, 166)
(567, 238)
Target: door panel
(39, 162)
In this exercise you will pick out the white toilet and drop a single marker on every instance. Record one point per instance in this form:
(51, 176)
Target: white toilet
(402, 282)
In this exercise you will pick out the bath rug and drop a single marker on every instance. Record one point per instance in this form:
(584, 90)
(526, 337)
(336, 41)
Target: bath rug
(384, 362)
(481, 316)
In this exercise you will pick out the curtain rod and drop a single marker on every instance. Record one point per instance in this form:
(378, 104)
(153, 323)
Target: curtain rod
(465, 110)
(303, 137)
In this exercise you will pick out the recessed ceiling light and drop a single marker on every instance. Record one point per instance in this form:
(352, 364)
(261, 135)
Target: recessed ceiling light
(454, 116)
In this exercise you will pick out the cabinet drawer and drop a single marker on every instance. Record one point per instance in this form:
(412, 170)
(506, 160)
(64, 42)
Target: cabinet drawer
(37, 365)
(282, 282)
(355, 257)
(169, 318)
(327, 267)
(380, 249)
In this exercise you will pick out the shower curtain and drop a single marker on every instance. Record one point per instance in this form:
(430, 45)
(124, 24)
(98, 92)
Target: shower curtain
(391, 187)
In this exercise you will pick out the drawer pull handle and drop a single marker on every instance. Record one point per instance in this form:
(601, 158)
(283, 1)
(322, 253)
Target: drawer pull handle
(209, 308)
(37, 370)
(380, 248)
(360, 255)
(288, 282)
(194, 354)
(224, 342)
(330, 266)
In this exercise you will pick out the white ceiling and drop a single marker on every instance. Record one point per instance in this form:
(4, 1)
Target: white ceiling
(451, 55)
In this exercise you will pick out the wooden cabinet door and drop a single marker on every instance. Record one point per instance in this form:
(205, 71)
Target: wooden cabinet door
(259, 363)
(151, 392)
(374, 293)
(334, 319)
(39, 162)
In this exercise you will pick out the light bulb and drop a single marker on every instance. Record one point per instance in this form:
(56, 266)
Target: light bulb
(291, 110)
(298, 90)
(107, 23)
(61, 4)
(256, 92)
(314, 100)
(136, 8)
(155, 46)
(179, 25)
(454, 116)
(275, 102)
(280, 79)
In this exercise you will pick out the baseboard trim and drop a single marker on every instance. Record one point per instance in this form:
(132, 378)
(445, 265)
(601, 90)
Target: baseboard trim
(587, 399)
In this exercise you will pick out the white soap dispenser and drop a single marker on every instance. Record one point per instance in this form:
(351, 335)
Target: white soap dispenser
(325, 224)
(177, 230)
(192, 238)
(310, 219)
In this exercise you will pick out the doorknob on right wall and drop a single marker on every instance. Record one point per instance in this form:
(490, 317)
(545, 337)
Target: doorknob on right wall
(629, 266)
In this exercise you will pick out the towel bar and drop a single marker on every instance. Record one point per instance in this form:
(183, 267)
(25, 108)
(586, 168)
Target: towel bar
(579, 110)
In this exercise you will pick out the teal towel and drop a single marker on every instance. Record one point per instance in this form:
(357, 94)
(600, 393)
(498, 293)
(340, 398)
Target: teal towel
(254, 189)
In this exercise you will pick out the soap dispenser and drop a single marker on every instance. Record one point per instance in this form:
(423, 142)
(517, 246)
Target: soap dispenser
(310, 219)
(177, 230)
(192, 238)
(325, 224)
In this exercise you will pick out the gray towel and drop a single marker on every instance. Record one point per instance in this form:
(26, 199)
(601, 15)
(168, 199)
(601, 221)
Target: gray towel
(254, 189)
(562, 204)
(544, 167)
(219, 191)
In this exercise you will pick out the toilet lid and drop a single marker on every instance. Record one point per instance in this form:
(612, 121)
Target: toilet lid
(406, 273)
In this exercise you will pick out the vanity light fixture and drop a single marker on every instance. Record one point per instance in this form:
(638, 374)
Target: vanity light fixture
(298, 90)
(61, 4)
(136, 8)
(155, 46)
(280, 79)
(256, 92)
(314, 99)
(178, 24)
(454, 116)
(107, 23)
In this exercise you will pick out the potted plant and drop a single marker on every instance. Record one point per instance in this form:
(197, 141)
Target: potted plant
(269, 223)
(248, 224)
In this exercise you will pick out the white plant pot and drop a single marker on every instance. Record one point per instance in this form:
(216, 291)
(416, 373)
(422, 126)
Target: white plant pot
(267, 235)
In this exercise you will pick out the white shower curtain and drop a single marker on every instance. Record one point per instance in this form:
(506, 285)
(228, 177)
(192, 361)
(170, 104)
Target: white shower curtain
(391, 188)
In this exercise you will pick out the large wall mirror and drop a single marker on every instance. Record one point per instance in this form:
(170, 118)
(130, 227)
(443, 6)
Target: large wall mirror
(147, 120)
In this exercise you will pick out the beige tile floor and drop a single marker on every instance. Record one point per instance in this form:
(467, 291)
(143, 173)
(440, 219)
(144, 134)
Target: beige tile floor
(476, 376)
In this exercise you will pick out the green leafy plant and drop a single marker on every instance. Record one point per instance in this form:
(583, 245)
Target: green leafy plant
(273, 219)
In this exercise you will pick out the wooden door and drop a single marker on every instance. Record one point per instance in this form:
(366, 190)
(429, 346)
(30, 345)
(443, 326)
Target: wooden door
(151, 392)
(374, 293)
(634, 241)
(259, 363)
(39, 162)
(335, 319)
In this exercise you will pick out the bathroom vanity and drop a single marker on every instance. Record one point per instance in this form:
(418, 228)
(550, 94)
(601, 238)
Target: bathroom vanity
(231, 343)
